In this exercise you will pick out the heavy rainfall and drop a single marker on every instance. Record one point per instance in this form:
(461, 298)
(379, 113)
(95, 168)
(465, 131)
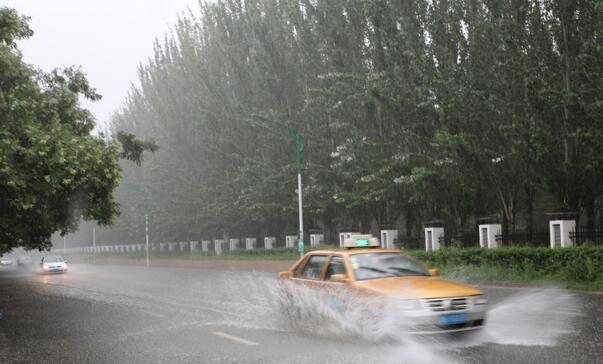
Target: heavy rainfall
(301, 181)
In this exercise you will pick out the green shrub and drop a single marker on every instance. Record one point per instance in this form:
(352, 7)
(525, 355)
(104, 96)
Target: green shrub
(577, 264)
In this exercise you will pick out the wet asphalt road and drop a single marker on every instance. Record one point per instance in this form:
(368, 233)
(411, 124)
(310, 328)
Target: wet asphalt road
(106, 314)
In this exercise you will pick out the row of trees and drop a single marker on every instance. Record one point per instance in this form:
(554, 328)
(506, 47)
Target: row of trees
(410, 110)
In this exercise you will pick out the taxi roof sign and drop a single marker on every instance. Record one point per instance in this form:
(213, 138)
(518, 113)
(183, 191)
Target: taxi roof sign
(361, 241)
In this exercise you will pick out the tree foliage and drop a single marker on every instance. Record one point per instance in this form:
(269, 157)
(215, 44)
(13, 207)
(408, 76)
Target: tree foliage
(53, 172)
(410, 110)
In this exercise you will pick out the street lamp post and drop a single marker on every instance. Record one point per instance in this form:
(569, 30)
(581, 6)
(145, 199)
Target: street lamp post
(146, 230)
(298, 149)
(93, 246)
(299, 144)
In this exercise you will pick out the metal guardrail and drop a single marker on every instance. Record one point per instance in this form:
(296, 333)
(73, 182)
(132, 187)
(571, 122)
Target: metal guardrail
(541, 239)
(584, 237)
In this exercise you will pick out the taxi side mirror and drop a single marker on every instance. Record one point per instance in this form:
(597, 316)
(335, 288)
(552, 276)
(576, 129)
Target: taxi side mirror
(338, 278)
(287, 274)
(434, 272)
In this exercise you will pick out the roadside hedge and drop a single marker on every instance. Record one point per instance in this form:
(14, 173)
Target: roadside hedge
(579, 264)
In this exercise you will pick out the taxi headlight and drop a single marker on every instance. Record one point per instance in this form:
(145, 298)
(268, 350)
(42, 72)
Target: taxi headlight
(480, 300)
(409, 305)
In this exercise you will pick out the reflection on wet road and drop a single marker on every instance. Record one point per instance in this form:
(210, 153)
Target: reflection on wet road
(141, 315)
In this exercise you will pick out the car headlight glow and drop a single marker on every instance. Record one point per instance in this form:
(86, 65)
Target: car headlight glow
(480, 300)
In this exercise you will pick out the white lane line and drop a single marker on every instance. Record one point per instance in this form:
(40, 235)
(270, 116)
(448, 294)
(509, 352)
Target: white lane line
(234, 338)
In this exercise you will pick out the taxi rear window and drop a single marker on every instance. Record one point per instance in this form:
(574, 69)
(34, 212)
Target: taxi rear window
(336, 266)
(312, 268)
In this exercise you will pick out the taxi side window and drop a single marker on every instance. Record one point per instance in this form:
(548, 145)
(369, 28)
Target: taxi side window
(313, 267)
(336, 266)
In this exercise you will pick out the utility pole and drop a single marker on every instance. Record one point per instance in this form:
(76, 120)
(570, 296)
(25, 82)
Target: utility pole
(146, 230)
(93, 245)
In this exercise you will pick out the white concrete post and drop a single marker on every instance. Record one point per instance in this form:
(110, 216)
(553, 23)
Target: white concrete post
(316, 239)
(183, 245)
(346, 235)
(487, 235)
(250, 243)
(388, 237)
(269, 242)
(218, 246)
(560, 233)
(233, 243)
(290, 241)
(432, 238)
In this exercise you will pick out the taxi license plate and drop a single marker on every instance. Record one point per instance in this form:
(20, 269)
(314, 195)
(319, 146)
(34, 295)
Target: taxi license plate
(453, 318)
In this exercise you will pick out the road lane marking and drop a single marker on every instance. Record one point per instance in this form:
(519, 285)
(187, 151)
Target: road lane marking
(234, 338)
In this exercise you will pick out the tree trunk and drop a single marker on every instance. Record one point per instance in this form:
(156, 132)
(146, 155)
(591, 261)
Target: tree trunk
(505, 228)
(590, 213)
(530, 198)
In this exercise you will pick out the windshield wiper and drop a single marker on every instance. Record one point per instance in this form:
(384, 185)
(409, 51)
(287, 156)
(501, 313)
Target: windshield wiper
(392, 274)
(412, 272)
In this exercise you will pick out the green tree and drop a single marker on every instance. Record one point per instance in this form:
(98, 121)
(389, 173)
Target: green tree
(53, 172)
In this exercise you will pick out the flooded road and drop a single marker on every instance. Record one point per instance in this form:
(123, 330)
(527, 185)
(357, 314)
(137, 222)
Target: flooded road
(108, 314)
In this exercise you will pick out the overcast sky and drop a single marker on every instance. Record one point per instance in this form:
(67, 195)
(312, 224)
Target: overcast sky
(108, 38)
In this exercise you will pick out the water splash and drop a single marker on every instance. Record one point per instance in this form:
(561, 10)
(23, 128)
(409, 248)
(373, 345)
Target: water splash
(530, 317)
(259, 301)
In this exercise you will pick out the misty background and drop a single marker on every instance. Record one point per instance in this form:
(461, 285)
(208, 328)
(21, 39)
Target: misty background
(109, 39)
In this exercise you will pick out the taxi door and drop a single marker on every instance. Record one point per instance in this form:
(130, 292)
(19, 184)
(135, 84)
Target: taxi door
(311, 271)
(335, 282)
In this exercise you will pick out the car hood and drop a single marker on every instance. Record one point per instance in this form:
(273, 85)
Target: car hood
(413, 287)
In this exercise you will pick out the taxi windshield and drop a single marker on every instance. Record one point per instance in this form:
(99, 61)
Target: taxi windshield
(53, 259)
(382, 265)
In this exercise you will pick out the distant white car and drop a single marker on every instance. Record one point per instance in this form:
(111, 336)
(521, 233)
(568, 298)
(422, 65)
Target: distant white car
(6, 261)
(24, 260)
(53, 264)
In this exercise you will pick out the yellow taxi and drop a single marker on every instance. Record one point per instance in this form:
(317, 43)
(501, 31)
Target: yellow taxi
(365, 270)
